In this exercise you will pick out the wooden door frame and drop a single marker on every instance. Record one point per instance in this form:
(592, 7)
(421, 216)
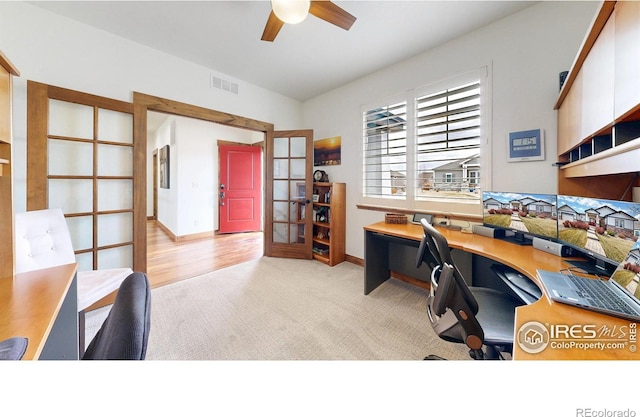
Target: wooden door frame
(142, 103)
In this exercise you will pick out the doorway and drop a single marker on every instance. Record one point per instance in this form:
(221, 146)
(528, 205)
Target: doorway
(240, 188)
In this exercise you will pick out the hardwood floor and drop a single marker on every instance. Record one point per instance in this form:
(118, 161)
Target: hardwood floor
(169, 261)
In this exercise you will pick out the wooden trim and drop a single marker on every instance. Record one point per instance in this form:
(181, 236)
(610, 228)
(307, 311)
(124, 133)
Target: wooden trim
(7, 65)
(64, 94)
(37, 122)
(410, 280)
(174, 107)
(354, 260)
(454, 216)
(140, 188)
(145, 102)
(606, 8)
(165, 229)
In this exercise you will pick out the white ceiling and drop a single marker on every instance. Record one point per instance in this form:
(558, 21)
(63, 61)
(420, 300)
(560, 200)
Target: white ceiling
(305, 60)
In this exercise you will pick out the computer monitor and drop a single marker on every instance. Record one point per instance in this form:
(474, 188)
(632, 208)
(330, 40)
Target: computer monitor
(601, 231)
(520, 216)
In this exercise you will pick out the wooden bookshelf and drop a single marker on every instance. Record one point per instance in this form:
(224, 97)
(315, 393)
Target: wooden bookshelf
(329, 212)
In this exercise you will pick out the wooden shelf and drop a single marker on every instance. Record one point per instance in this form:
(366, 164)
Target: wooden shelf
(329, 234)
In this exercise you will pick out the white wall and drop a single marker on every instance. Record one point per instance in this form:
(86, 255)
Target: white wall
(525, 51)
(54, 50)
(190, 205)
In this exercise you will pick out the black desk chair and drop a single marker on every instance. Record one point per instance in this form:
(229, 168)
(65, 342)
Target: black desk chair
(13, 349)
(125, 332)
(481, 318)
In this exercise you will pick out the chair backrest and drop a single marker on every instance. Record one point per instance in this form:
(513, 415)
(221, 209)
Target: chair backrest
(451, 306)
(42, 240)
(13, 348)
(125, 332)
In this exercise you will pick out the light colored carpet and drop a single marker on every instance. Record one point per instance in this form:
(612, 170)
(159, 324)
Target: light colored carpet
(286, 309)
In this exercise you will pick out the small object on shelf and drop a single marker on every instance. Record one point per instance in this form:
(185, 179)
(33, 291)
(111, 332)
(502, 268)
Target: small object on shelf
(322, 215)
(394, 218)
(320, 251)
(320, 176)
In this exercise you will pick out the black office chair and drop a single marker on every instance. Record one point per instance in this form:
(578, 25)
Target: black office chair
(125, 332)
(481, 318)
(13, 349)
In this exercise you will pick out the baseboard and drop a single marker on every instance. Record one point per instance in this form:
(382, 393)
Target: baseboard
(354, 260)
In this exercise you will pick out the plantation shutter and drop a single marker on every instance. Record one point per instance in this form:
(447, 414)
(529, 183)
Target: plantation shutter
(385, 151)
(448, 134)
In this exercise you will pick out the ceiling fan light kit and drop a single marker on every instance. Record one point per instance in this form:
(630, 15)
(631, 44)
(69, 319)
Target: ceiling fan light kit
(291, 11)
(295, 11)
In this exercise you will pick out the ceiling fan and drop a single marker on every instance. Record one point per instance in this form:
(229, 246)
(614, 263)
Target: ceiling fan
(295, 11)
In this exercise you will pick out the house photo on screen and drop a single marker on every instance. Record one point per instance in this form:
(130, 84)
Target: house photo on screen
(529, 213)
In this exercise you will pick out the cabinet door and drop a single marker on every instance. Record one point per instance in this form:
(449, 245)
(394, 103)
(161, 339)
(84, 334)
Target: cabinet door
(627, 56)
(570, 118)
(597, 82)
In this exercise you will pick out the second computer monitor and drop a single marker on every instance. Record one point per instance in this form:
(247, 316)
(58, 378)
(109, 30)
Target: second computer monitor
(601, 230)
(521, 215)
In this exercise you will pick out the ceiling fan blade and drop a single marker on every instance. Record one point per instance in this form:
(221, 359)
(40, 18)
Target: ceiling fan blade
(272, 28)
(332, 13)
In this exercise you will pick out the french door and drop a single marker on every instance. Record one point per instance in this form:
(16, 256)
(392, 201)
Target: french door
(288, 212)
(82, 158)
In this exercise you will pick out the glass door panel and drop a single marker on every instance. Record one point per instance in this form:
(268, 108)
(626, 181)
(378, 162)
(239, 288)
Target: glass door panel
(115, 195)
(71, 195)
(70, 120)
(81, 231)
(115, 126)
(120, 257)
(90, 177)
(114, 160)
(71, 158)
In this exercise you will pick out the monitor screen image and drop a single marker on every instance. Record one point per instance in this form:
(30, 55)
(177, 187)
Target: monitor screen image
(521, 213)
(604, 230)
(627, 274)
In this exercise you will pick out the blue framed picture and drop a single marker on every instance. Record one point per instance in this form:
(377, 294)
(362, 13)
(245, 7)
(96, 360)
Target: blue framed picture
(527, 145)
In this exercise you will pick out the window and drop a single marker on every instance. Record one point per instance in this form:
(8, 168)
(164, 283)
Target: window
(448, 143)
(426, 147)
(385, 151)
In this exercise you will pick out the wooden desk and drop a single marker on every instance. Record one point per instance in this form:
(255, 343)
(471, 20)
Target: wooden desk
(43, 307)
(544, 329)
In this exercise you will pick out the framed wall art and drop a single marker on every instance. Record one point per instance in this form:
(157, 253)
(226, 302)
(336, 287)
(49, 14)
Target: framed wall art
(164, 167)
(327, 151)
(527, 145)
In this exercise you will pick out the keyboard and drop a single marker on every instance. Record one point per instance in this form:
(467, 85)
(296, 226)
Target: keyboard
(599, 294)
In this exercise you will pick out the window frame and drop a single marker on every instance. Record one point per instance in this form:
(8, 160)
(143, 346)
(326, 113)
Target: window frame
(434, 205)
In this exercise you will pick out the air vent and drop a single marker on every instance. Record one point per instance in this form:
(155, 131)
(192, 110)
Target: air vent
(224, 85)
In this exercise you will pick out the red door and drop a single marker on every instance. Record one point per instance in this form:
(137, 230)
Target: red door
(240, 192)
